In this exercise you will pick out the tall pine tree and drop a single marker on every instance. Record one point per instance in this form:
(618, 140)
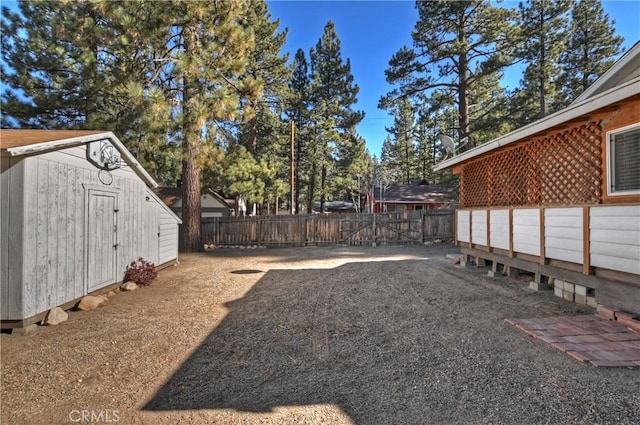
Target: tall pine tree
(333, 93)
(456, 45)
(591, 50)
(543, 36)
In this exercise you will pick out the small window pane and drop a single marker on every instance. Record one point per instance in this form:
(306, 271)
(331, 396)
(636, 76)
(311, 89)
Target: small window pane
(625, 160)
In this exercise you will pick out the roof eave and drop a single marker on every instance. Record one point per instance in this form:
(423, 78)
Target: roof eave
(75, 141)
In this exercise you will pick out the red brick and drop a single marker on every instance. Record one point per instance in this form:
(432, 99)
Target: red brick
(605, 312)
(623, 317)
(634, 325)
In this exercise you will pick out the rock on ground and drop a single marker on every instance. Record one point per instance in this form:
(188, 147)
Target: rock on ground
(129, 286)
(91, 302)
(56, 316)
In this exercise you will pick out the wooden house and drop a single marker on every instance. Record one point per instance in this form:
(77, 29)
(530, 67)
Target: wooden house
(560, 197)
(419, 195)
(76, 209)
(212, 204)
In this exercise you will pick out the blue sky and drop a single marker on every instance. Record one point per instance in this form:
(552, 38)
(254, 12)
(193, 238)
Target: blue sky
(371, 32)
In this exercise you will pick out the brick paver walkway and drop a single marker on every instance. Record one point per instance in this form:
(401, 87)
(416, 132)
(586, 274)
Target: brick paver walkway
(589, 339)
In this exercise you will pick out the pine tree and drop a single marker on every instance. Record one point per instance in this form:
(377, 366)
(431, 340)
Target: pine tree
(591, 49)
(269, 74)
(298, 112)
(543, 37)
(401, 154)
(333, 93)
(456, 44)
(54, 55)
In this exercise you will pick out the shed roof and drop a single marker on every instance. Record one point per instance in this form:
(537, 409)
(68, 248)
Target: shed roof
(32, 142)
(622, 81)
(11, 138)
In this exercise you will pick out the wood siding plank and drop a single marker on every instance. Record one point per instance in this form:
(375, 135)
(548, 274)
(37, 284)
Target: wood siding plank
(526, 231)
(615, 238)
(464, 223)
(499, 229)
(479, 227)
(13, 177)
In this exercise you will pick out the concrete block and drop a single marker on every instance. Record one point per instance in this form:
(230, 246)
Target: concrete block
(580, 299)
(591, 302)
(558, 292)
(569, 287)
(581, 290)
(511, 271)
(25, 330)
(568, 295)
(539, 286)
(558, 283)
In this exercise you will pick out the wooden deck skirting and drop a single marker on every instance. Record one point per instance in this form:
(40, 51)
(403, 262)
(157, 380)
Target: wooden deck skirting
(16, 324)
(557, 269)
(557, 242)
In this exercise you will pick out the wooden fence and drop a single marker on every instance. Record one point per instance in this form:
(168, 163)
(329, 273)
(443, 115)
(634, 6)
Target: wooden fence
(412, 227)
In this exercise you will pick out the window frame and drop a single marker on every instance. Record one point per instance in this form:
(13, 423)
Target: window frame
(610, 160)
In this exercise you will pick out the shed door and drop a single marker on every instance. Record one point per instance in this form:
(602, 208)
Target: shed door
(101, 239)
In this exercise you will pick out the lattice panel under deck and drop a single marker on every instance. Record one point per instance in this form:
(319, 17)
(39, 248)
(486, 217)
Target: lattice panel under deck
(562, 169)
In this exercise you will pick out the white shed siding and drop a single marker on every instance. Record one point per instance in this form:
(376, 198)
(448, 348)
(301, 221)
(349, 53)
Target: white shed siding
(462, 230)
(526, 231)
(168, 243)
(499, 227)
(615, 238)
(479, 227)
(11, 236)
(46, 249)
(563, 234)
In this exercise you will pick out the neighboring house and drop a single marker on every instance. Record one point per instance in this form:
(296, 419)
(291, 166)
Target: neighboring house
(76, 209)
(213, 205)
(341, 207)
(561, 197)
(419, 195)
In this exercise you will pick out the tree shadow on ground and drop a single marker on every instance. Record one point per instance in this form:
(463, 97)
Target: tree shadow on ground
(343, 336)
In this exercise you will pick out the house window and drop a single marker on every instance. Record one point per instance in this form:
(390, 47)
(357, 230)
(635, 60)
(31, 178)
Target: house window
(623, 149)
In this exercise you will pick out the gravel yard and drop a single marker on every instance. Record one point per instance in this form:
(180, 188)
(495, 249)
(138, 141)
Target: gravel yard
(342, 335)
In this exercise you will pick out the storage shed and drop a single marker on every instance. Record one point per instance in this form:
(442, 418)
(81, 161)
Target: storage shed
(76, 209)
(560, 197)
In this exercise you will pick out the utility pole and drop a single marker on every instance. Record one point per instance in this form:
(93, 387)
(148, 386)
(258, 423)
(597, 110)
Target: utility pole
(293, 185)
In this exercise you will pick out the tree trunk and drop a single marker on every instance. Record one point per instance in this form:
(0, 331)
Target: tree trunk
(323, 187)
(312, 188)
(464, 128)
(191, 172)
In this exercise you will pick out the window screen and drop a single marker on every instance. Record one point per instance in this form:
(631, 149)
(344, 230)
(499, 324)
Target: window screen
(625, 160)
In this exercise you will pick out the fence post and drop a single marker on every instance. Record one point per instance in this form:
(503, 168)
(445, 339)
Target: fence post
(259, 237)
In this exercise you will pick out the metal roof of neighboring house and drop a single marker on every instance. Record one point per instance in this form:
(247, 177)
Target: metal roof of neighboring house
(169, 195)
(418, 192)
(29, 142)
(620, 82)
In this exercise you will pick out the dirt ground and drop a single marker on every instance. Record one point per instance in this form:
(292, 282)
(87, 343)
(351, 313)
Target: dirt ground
(385, 335)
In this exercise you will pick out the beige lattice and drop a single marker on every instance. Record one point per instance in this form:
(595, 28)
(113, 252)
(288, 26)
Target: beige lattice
(561, 169)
